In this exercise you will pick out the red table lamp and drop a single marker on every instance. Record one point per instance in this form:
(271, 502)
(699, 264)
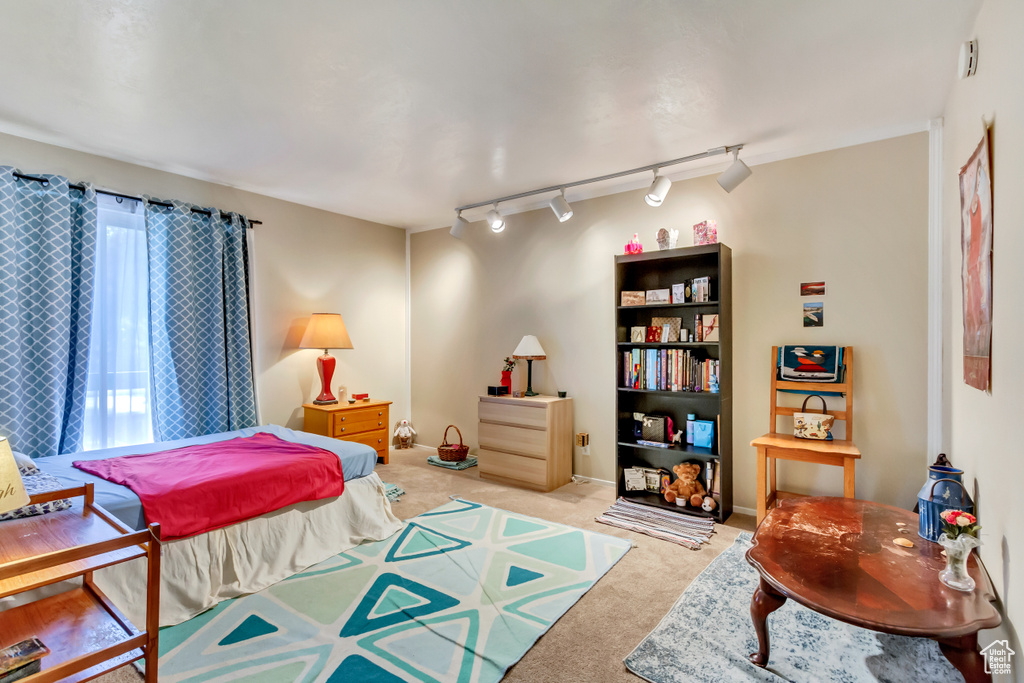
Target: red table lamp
(325, 331)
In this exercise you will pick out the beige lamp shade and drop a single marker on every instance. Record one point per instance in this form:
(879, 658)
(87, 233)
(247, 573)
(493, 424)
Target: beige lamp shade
(529, 349)
(12, 490)
(325, 331)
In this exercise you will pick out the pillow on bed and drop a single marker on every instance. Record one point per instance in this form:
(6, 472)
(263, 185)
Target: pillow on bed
(25, 464)
(38, 482)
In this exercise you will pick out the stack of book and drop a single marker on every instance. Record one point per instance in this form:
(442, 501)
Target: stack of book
(22, 660)
(667, 370)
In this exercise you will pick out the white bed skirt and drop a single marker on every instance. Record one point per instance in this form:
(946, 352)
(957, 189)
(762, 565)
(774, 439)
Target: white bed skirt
(199, 572)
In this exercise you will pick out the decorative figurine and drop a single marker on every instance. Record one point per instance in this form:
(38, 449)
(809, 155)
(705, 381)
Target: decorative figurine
(709, 504)
(404, 434)
(633, 246)
(667, 238)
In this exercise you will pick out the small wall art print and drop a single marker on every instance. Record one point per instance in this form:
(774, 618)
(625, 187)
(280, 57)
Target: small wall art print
(976, 268)
(812, 289)
(814, 314)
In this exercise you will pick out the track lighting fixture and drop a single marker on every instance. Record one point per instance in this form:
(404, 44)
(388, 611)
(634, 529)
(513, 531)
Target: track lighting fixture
(659, 188)
(495, 219)
(732, 177)
(735, 174)
(459, 226)
(563, 211)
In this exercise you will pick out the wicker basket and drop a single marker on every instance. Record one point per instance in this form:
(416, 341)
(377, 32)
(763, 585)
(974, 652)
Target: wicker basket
(449, 452)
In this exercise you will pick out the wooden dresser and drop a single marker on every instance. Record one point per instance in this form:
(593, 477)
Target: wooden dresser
(526, 441)
(363, 421)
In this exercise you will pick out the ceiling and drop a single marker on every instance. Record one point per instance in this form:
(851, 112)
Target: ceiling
(398, 111)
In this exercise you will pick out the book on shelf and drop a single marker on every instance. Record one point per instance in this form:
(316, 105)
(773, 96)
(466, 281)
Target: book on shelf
(22, 659)
(667, 370)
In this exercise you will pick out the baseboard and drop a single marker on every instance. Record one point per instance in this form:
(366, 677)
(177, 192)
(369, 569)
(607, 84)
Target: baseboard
(591, 480)
(744, 511)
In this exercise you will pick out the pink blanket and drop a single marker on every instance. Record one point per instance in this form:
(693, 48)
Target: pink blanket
(195, 489)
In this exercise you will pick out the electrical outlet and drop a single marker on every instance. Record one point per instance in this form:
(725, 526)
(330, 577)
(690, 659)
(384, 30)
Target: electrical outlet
(583, 441)
(585, 450)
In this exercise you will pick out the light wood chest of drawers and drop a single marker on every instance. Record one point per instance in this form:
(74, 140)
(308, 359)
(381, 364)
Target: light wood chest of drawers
(526, 441)
(364, 422)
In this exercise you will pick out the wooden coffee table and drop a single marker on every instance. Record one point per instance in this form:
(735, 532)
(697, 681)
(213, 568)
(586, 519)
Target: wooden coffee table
(836, 557)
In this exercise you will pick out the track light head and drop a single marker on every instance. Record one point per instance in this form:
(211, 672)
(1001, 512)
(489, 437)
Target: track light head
(459, 226)
(495, 220)
(735, 174)
(659, 188)
(563, 211)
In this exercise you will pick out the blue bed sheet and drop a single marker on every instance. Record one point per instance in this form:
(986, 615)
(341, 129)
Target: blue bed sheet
(357, 460)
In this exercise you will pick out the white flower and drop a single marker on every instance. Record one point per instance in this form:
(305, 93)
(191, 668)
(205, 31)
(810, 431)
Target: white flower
(962, 521)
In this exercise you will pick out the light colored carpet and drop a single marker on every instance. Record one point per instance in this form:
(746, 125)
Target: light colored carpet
(591, 640)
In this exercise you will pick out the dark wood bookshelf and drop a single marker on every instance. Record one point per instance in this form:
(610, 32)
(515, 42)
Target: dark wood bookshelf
(661, 270)
(698, 395)
(671, 345)
(687, 304)
(656, 500)
(684, 450)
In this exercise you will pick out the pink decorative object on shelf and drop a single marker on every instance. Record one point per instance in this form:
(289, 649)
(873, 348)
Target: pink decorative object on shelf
(633, 246)
(705, 232)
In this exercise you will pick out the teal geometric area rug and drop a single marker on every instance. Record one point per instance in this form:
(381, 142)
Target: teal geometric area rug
(460, 594)
(708, 635)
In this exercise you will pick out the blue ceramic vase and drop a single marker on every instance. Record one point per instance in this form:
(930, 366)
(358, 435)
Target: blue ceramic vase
(944, 490)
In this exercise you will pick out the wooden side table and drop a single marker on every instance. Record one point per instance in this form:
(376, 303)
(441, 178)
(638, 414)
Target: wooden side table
(87, 635)
(363, 422)
(836, 557)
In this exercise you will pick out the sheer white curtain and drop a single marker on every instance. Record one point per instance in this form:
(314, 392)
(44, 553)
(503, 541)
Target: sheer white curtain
(118, 410)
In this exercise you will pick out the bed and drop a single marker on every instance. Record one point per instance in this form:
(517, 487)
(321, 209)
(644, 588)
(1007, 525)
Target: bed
(202, 570)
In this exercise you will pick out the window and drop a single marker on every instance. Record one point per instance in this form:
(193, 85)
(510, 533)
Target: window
(118, 406)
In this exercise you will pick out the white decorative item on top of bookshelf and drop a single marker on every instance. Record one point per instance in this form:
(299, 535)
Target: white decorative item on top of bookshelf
(674, 395)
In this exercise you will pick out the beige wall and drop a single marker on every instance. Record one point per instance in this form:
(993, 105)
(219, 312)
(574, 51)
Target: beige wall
(306, 260)
(984, 435)
(855, 217)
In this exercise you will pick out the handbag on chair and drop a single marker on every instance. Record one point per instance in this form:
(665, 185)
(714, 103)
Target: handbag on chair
(815, 426)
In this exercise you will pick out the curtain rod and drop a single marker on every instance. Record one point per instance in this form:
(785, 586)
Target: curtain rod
(166, 205)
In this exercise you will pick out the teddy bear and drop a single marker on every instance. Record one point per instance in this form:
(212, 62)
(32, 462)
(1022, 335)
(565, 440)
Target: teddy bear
(686, 488)
(404, 434)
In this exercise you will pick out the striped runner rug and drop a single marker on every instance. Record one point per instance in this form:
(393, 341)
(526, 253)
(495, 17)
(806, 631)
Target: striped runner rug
(686, 530)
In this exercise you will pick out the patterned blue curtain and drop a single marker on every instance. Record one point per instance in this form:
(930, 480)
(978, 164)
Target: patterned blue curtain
(47, 259)
(199, 322)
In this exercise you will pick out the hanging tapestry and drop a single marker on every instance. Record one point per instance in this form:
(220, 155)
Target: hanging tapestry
(976, 269)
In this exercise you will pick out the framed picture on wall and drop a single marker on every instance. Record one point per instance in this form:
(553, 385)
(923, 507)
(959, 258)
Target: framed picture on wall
(812, 289)
(814, 314)
(976, 264)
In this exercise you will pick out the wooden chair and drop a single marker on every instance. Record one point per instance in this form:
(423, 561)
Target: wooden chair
(774, 446)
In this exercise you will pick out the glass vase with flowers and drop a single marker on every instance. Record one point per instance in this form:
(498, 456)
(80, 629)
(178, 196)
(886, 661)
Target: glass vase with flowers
(959, 537)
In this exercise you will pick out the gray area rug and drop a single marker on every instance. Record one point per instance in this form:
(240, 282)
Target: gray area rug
(708, 635)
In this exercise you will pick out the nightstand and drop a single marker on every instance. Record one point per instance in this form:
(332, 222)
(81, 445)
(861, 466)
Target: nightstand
(526, 441)
(363, 421)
